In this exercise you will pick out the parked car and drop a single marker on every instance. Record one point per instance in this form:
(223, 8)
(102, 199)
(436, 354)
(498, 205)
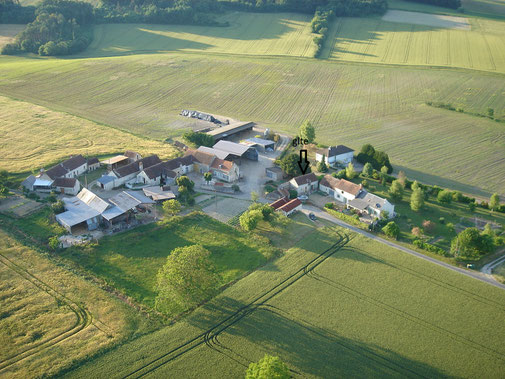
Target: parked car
(303, 198)
(312, 216)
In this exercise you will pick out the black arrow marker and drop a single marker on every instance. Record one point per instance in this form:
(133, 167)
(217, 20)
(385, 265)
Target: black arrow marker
(303, 163)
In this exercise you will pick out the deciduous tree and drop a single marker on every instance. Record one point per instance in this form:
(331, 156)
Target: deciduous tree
(350, 173)
(187, 278)
(268, 367)
(367, 170)
(396, 190)
(171, 207)
(391, 230)
(494, 202)
(417, 200)
(307, 131)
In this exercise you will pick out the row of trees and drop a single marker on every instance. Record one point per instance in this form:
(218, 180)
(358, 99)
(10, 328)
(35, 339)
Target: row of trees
(11, 12)
(376, 158)
(198, 139)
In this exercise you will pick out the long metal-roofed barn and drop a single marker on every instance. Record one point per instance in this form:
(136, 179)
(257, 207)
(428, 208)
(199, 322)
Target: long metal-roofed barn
(231, 129)
(236, 150)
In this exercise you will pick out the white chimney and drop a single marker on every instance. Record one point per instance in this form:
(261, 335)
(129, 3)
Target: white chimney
(141, 166)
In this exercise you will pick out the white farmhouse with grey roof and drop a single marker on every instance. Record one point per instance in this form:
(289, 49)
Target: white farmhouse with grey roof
(372, 205)
(335, 155)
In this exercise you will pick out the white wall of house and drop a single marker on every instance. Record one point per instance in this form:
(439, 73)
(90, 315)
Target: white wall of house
(70, 191)
(78, 171)
(303, 189)
(292, 210)
(343, 159)
(339, 195)
(143, 178)
(230, 176)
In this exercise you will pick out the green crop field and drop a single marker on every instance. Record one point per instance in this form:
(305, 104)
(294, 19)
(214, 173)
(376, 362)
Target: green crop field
(364, 310)
(49, 317)
(34, 136)
(348, 104)
(377, 41)
(131, 260)
(248, 33)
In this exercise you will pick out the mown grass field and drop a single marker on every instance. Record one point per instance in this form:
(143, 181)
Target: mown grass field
(348, 104)
(50, 317)
(130, 261)
(35, 136)
(377, 41)
(367, 310)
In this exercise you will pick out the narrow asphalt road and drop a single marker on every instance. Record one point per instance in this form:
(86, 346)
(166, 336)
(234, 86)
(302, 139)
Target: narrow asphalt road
(473, 274)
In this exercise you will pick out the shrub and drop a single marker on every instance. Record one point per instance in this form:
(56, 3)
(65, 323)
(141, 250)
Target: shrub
(450, 227)
(441, 220)
(428, 226)
(429, 247)
(329, 205)
(365, 183)
(417, 231)
(235, 187)
(53, 243)
(391, 230)
(293, 194)
(58, 207)
(444, 197)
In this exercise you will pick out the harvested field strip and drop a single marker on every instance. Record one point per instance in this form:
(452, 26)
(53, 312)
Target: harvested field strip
(212, 333)
(83, 317)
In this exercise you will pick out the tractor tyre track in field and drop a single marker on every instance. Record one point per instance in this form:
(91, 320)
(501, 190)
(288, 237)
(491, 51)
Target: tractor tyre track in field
(212, 333)
(83, 317)
(362, 351)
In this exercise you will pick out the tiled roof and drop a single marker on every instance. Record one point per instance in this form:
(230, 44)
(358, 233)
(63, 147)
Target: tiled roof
(349, 187)
(289, 206)
(93, 160)
(65, 182)
(134, 167)
(74, 162)
(329, 181)
(222, 165)
(307, 178)
(163, 168)
(56, 172)
(203, 158)
(279, 203)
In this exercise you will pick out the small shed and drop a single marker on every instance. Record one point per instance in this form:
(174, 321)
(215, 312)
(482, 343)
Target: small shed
(106, 182)
(274, 173)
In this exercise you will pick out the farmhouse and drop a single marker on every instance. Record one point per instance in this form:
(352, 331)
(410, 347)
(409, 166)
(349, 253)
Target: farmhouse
(93, 164)
(335, 155)
(127, 173)
(236, 150)
(372, 205)
(286, 206)
(226, 171)
(70, 168)
(67, 186)
(158, 174)
(304, 184)
(340, 189)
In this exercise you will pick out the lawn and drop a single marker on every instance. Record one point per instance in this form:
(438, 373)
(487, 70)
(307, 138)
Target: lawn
(366, 311)
(51, 317)
(34, 137)
(348, 104)
(130, 261)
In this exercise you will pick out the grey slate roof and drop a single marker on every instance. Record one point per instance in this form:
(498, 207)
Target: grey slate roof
(134, 167)
(57, 171)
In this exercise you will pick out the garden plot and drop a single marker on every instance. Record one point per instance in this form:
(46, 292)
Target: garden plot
(436, 20)
(226, 208)
(19, 206)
